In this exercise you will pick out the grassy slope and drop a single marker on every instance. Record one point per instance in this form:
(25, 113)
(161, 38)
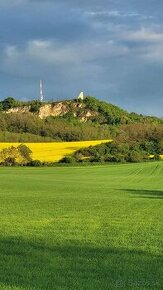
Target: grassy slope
(81, 228)
(6, 136)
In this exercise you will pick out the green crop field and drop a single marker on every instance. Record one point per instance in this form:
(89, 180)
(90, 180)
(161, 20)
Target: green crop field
(83, 228)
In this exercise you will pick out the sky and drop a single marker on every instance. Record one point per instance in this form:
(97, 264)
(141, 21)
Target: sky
(109, 49)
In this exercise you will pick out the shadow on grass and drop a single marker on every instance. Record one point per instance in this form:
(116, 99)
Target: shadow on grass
(35, 265)
(153, 194)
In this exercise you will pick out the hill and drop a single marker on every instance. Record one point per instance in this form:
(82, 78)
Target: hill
(67, 120)
(90, 109)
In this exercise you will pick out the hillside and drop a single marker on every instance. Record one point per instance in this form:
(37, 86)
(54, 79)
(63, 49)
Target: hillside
(89, 109)
(68, 120)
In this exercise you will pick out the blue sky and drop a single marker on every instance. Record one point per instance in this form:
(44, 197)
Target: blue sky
(110, 49)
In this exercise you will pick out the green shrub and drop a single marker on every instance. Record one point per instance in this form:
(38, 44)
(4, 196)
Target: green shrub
(157, 157)
(67, 159)
(9, 161)
(35, 106)
(8, 103)
(35, 163)
(135, 156)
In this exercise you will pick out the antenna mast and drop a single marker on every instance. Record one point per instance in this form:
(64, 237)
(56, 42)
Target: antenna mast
(41, 91)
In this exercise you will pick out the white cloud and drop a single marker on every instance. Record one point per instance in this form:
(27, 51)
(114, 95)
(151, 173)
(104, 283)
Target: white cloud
(150, 43)
(154, 53)
(52, 52)
(11, 51)
(116, 13)
(51, 58)
(143, 34)
(103, 13)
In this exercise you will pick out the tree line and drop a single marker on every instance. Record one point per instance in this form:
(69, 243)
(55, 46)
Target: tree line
(56, 128)
(133, 143)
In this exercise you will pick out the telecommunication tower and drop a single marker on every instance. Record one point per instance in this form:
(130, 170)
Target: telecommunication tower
(41, 91)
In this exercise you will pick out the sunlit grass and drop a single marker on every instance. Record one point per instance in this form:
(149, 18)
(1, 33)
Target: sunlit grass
(81, 228)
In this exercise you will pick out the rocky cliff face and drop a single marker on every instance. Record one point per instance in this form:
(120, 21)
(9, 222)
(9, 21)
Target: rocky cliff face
(59, 109)
(22, 110)
(77, 109)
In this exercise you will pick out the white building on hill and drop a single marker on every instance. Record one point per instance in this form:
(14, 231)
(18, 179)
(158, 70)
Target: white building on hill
(81, 96)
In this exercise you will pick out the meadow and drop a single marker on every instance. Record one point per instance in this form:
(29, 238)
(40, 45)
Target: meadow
(54, 151)
(81, 228)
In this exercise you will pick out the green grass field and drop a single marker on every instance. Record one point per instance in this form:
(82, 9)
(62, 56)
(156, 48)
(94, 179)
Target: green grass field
(81, 228)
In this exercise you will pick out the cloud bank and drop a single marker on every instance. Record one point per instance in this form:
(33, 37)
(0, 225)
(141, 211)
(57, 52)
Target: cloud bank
(108, 49)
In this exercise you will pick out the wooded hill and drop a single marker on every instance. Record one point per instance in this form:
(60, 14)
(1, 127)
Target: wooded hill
(70, 120)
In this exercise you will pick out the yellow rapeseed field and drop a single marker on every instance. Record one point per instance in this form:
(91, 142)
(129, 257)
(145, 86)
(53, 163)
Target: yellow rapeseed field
(54, 151)
(151, 156)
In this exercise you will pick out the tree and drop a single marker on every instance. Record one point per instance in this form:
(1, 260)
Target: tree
(10, 161)
(35, 106)
(25, 152)
(15, 155)
(9, 103)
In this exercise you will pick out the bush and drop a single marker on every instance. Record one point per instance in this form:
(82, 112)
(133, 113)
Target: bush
(35, 163)
(114, 152)
(9, 161)
(135, 156)
(157, 157)
(35, 106)
(67, 159)
(8, 103)
(115, 158)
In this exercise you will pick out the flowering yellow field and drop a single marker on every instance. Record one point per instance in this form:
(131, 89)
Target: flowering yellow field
(54, 151)
(151, 156)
